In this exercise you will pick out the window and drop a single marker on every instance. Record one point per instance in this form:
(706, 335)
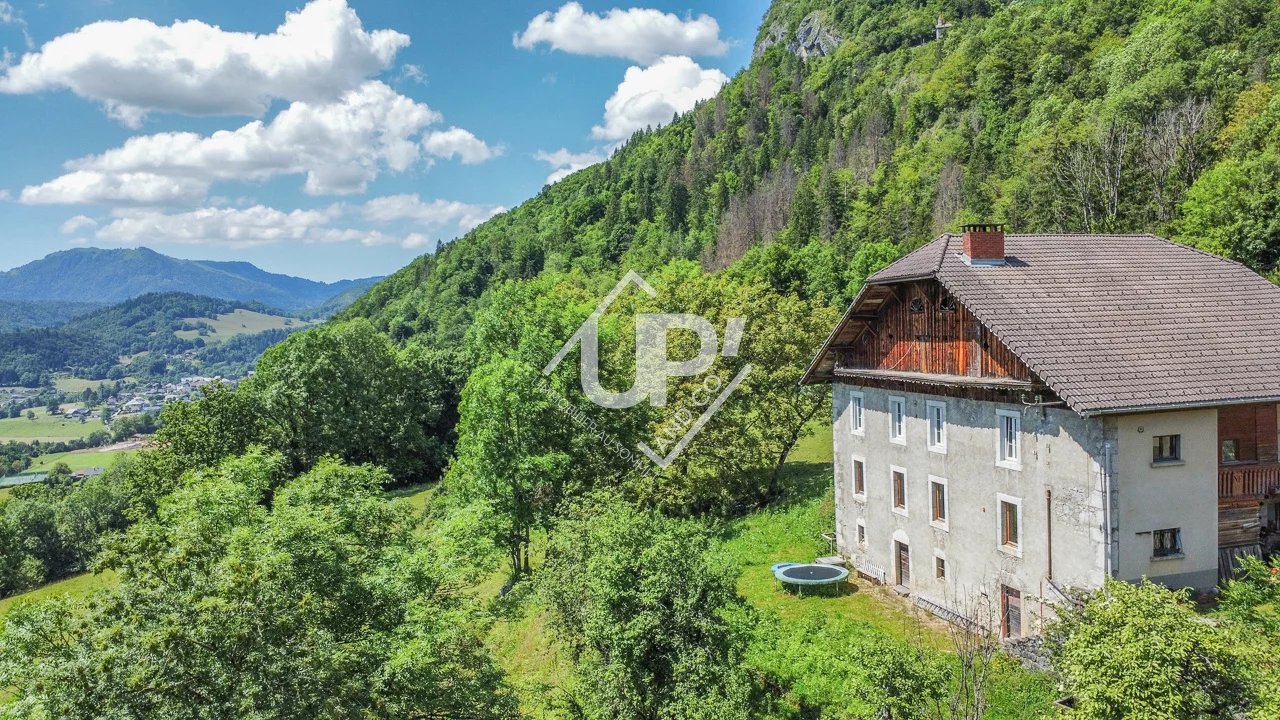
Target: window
(939, 567)
(937, 502)
(1166, 448)
(862, 532)
(1010, 517)
(917, 305)
(898, 420)
(937, 414)
(859, 478)
(1166, 543)
(857, 415)
(1229, 453)
(899, 477)
(1009, 453)
(947, 303)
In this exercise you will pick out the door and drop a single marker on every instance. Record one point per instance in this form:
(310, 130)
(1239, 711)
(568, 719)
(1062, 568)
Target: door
(1010, 612)
(902, 563)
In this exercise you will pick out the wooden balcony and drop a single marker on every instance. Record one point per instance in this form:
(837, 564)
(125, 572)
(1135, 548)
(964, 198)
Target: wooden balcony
(1247, 482)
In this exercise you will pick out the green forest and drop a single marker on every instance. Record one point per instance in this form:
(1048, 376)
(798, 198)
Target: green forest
(396, 516)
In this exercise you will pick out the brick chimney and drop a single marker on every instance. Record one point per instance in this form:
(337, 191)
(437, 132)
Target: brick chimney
(984, 244)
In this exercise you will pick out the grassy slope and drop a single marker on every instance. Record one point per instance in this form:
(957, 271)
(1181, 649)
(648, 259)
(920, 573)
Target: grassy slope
(239, 322)
(45, 428)
(78, 459)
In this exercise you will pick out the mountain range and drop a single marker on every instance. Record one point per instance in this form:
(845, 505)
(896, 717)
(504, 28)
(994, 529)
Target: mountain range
(105, 276)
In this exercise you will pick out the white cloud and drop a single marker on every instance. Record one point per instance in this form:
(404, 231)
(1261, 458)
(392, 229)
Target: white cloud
(651, 96)
(564, 163)
(127, 188)
(78, 223)
(413, 73)
(257, 225)
(434, 214)
(339, 146)
(639, 34)
(10, 16)
(240, 227)
(456, 142)
(134, 66)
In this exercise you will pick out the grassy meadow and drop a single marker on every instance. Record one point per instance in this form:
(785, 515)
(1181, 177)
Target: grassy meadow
(239, 322)
(47, 428)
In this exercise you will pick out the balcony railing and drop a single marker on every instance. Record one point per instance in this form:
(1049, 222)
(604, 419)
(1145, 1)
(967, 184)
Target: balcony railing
(1243, 482)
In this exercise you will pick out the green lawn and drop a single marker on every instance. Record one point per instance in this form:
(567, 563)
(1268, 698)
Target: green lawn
(239, 322)
(78, 385)
(78, 459)
(75, 586)
(45, 428)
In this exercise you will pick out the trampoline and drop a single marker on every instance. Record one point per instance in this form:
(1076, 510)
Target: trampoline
(808, 574)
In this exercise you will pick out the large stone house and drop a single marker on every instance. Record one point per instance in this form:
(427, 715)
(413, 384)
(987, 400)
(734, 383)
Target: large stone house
(1016, 415)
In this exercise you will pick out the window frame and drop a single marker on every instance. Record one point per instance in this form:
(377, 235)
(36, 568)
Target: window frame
(929, 407)
(855, 463)
(857, 413)
(1015, 548)
(897, 434)
(943, 522)
(1175, 444)
(860, 532)
(1175, 552)
(941, 568)
(1002, 418)
(905, 508)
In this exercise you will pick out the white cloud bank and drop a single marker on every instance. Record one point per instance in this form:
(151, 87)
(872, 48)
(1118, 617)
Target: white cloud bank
(564, 163)
(639, 34)
(651, 96)
(238, 227)
(135, 66)
(340, 147)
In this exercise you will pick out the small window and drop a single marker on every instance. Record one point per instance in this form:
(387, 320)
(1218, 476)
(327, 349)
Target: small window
(1229, 454)
(862, 533)
(1009, 453)
(898, 420)
(857, 414)
(1166, 543)
(917, 305)
(947, 304)
(937, 413)
(859, 478)
(937, 502)
(899, 490)
(1010, 524)
(1166, 448)
(940, 567)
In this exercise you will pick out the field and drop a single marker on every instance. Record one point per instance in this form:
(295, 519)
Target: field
(75, 386)
(239, 322)
(76, 586)
(78, 459)
(45, 428)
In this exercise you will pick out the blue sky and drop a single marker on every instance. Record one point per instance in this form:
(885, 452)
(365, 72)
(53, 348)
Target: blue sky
(329, 138)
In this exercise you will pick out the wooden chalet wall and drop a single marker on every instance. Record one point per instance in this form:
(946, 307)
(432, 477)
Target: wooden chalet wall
(1253, 427)
(921, 329)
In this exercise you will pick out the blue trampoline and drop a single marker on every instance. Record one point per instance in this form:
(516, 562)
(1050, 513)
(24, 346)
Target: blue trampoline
(806, 574)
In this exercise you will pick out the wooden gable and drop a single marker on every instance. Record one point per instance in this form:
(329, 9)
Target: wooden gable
(920, 328)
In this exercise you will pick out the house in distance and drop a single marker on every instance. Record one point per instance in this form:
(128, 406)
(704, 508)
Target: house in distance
(1017, 415)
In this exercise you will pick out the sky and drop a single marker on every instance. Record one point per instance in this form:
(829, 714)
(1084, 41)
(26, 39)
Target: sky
(326, 139)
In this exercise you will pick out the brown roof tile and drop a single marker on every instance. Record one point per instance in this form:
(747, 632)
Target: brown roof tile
(1119, 322)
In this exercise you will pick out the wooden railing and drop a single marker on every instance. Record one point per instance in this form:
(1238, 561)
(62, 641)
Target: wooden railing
(1242, 482)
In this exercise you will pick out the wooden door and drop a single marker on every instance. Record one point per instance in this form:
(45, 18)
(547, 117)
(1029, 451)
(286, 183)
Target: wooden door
(1010, 612)
(902, 563)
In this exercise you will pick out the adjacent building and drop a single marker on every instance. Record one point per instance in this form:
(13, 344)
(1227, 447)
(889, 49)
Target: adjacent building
(1018, 415)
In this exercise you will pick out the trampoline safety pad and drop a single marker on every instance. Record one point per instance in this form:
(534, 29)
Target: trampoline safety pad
(811, 574)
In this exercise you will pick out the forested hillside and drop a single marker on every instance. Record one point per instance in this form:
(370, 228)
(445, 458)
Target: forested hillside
(161, 325)
(1080, 115)
(23, 314)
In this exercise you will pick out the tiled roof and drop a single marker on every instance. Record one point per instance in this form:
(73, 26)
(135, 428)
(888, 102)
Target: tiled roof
(1118, 322)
